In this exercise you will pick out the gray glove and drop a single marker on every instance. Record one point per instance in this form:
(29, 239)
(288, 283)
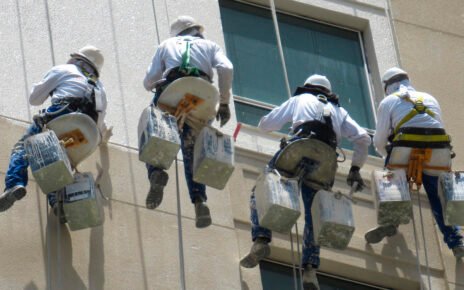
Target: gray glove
(355, 176)
(223, 114)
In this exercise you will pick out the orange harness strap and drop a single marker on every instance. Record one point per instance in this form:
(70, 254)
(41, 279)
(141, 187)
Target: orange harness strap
(417, 160)
(187, 104)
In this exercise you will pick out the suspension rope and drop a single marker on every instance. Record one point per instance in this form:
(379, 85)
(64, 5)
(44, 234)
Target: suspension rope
(47, 245)
(424, 241)
(295, 283)
(279, 45)
(300, 270)
(416, 243)
(58, 246)
(179, 231)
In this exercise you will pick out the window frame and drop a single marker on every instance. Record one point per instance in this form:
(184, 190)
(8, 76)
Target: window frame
(370, 88)
(319, 273)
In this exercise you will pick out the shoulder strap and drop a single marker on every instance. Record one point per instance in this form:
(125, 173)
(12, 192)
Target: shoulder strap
(185, 66)
(418, 108)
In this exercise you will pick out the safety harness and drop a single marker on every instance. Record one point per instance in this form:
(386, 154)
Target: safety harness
(401, 135)
(421, 140)
(317, 129)
(90, 104)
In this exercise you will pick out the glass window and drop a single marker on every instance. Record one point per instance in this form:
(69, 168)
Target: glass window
(309, 47)
(277, 277)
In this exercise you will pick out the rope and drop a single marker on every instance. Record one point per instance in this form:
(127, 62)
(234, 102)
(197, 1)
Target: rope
(300, 272)
(423, 239)
(156, 21)
(179, 231)
(289, 93)
(49, 274)
(417, 250)
(295, 283)
(49, 27)
(279, 45)
(58, 246)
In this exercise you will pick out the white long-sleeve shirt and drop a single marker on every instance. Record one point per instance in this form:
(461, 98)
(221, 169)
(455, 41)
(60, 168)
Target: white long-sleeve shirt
(204, 54)
(306, 107)
(393, 109)
(67, 81)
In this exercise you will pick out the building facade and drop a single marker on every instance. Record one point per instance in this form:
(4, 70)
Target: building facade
(351, 41)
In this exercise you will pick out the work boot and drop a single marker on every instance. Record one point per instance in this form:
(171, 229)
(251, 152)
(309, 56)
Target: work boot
(310, 279)
(376, 235)
(10, 195)
(56, 206)
(202, 215)
(158, 180)
(258, 251)
(458, 251)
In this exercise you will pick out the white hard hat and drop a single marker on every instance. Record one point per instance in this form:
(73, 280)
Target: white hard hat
(184, 22)
(320, 81)
(92, 55)
(391, 73)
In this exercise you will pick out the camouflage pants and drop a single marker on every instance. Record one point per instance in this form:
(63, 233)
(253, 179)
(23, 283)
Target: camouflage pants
(187, 138)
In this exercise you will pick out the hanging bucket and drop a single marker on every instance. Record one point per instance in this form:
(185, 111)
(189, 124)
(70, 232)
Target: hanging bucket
(277, 201)
(213, 158)
(49, 163)
(393, 201)
(159, 140)
(451, 193)
(333, 222)
(81, 203)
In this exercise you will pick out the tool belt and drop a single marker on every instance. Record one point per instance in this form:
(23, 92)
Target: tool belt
(421, 138)
(68, 105)
(317, 130)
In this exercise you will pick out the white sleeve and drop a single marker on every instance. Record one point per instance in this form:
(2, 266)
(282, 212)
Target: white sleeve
(382, 128)
(40, 91)
(155, 70)
(278, 117)
(351, 130)
(225, 73)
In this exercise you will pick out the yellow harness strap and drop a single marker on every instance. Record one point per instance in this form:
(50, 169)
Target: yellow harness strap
(421, 138)
(418, 108)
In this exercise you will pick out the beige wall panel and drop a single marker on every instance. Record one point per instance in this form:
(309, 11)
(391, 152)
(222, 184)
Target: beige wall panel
(435, 62)
(443, 15)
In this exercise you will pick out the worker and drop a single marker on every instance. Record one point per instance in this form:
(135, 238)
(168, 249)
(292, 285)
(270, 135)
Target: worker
(187, 53)
(406, 111)
(315, 112)
(73, 87)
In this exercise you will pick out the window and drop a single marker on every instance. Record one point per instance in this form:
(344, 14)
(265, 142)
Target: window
(309, 47)
(277, 277)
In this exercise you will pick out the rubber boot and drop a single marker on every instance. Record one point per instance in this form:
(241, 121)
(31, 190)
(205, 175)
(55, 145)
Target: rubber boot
(310, 279)
(458, 251)
(202, 214)
(258, 251)
(158, 180)
(376, 235)
(10, 195)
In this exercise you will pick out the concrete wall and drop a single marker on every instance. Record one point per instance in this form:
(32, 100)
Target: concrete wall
(138, 248)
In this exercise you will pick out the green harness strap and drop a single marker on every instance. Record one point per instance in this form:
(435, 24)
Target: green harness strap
(185, 66)
(418, 108)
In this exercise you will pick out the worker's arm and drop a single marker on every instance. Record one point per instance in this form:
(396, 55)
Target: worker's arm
(225, 71)
(42, 90)
(358, 136)
(155, 70)
(278, 117)
(382, 128)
